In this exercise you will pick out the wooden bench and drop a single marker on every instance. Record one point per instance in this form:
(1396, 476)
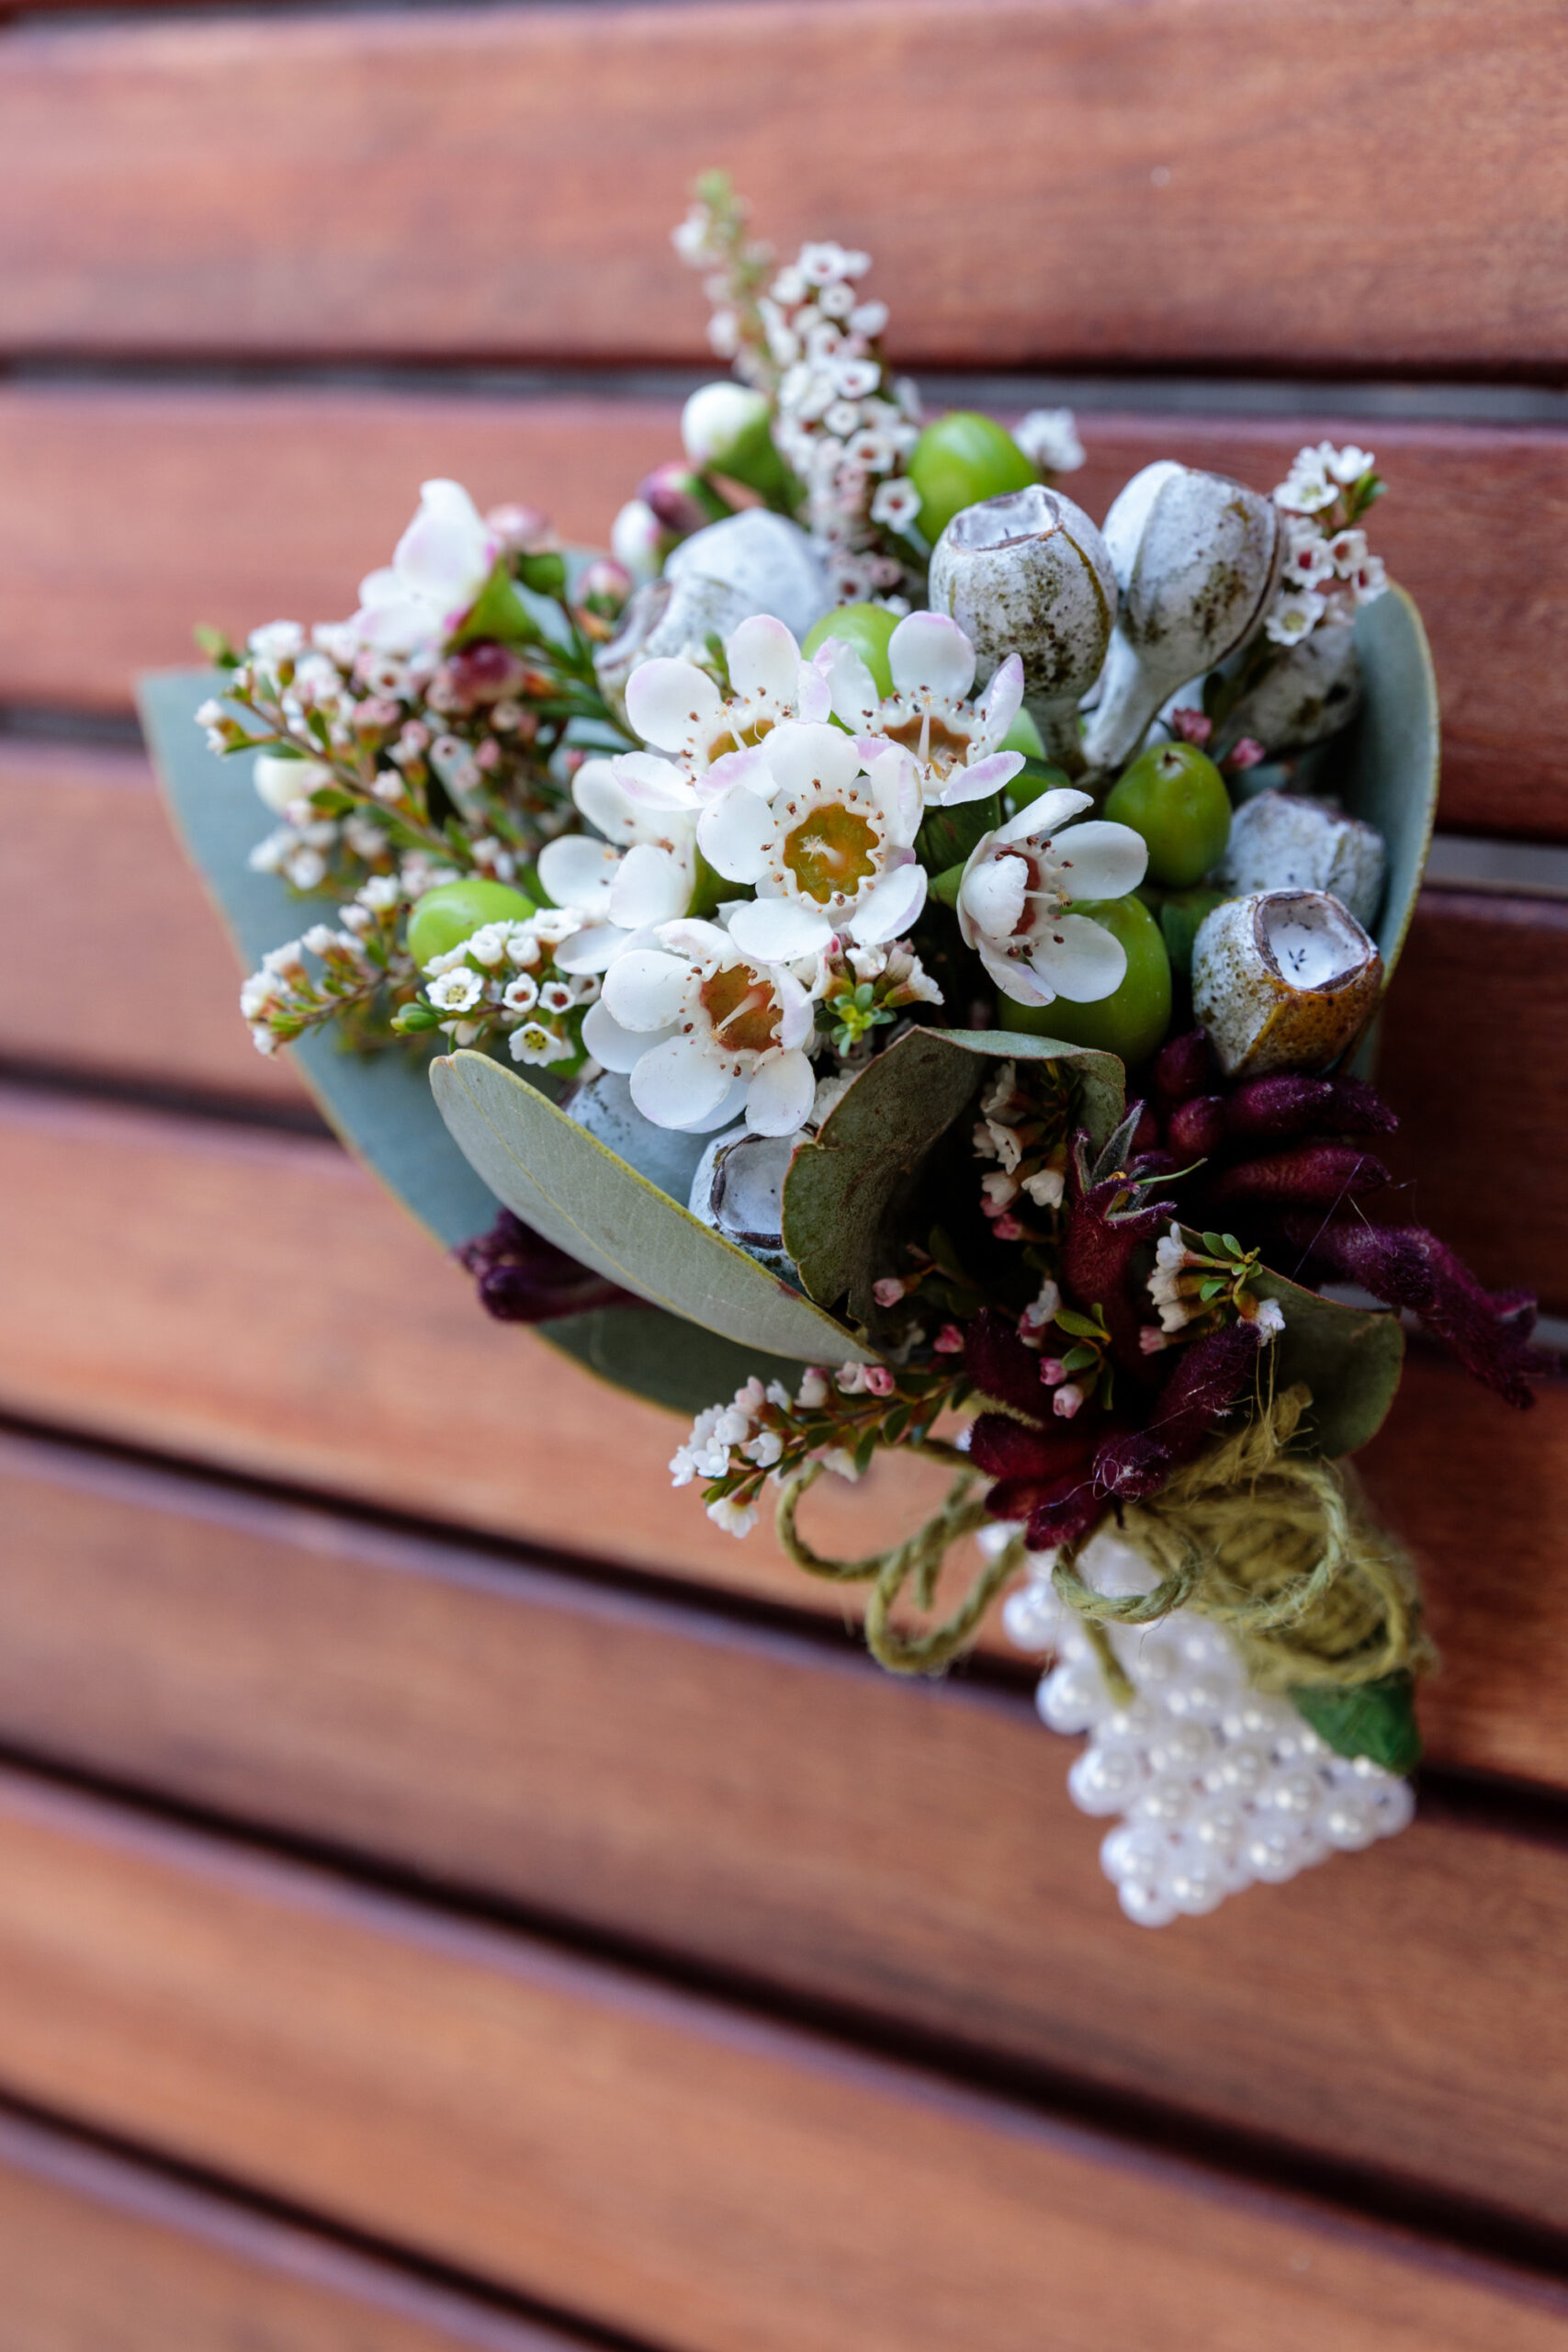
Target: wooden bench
(438, 1910)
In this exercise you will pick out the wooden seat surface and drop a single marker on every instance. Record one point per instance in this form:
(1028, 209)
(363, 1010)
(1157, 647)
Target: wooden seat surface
(450, 1894)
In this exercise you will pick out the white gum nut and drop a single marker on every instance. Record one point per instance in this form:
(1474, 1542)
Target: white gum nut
(1284, 842)
(671, 619)
(1307, 695)
(766, 559)
(1283, 980)
(1029, 574)
(1197, 557)
(738, 1190)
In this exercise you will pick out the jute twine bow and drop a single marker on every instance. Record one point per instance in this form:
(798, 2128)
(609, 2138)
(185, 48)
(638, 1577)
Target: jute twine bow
(1278, 1548)
(1275, 1546)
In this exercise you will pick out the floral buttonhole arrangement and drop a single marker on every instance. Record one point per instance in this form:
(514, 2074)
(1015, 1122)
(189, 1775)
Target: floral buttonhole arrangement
(924, 944)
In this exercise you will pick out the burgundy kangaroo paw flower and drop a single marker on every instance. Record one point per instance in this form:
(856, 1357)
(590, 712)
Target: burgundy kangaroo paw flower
(523, 1278)
(1312, 1175)
(1184, 1067)
(1209, 1378)
(1408, 1267)
(1197, 1127)
(1001, 1367)
(1293, 1105)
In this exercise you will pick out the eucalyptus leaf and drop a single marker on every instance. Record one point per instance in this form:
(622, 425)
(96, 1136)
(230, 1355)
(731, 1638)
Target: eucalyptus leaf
(842, 1189)
(1375, 1719)
(569, 1186)
(379, 1104)
(1384, 768)
(1350, 1358)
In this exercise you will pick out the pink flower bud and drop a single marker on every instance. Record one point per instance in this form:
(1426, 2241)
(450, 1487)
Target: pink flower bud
(605, 587)
(522, 529)
(1008, 1229)
(879, 1381)
(1151, 1338)
(1245, 754)
(1192, 726)
(1067, 1400)
(670, 492)
(888, 1291)
(1053, 1371)
(949, 1341)
(485, 671)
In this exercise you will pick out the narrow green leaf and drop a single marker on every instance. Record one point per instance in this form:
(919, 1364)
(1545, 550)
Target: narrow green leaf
(1079, 1359)
(1081, 1326)
(1375, 1719)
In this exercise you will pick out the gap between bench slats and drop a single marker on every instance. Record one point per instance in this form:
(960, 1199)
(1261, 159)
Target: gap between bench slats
(233, 507)
(752, 1803)
(100, 2251)
(1230, 181)
(1474, 1056)
(256, 1302)
(658, 2163)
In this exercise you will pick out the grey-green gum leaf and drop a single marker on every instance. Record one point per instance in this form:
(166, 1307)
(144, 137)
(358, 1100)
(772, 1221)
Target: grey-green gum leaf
(843, 1189)
(587, 1200)
(1350, 1357)
(1388, 772)
(380, 1105)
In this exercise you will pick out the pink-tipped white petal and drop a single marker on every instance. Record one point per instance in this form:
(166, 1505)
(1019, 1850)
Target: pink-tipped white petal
(812, 694)
(1001, 700)
(1046, 815)
(652, 784)
(748, 766)
(980, 778)
(1079, 959)
(800, 756)
(1015, 979)
(653, 886)
(447, 552)
(604, 802)
(1101, 860)
(796, 1018)
(775, 931)
(578, 872)
(672, 704)
(764, 658)
(890, 906)
(855, 695)
(896, 781)
(928, 652)
(779, 1098)
(617, 1048)
(645, 988)
(735, 833)
(679, 1083)
(991, 896)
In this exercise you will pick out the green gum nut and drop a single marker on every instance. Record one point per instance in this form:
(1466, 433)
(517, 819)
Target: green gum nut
(1132, 1021)
(1175, 797)
(868, 628)
(959, 461)
(1181, 918)
(453, 912)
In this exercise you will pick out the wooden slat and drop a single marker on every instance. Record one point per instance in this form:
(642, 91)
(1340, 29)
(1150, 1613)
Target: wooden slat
(99, 2253)
(147, 994)
(148, 987)
(769, 1807)
(232, 507)
(658, 2163)
(254, 1301)
(1040, 182)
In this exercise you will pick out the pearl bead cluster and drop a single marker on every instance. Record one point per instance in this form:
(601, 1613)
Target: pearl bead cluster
(1216, 1785)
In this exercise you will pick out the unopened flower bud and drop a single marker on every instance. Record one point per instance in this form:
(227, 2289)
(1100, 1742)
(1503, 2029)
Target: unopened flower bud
(1284, 979)
(727, 428)
(1028, 573)
(678, 498)
(605, 587)
(639, 539)
(485, 671)
(1196, 558)
(280, 780)
(1067, 1400)
(523, 530)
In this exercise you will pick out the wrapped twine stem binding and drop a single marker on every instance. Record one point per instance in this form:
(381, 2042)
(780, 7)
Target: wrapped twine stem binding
(1276, 1546)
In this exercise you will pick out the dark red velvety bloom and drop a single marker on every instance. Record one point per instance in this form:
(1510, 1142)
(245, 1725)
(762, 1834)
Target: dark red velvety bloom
(523, 1278)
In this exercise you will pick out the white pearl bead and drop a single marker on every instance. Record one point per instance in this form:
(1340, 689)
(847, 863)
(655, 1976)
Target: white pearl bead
(1272, 1855)
(1072, 1697)
(1167, 1798)
(1105, 1781)
(1293, 1792)
(1147, 1901)
(1201, 1698)
(1134, 1851)
(1196, 1885)
(1030, 1617)
(1181, 1746)
(1349, 1824)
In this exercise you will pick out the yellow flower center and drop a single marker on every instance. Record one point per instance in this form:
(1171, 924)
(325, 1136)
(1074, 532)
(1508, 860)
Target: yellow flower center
(933, 741)
(742, 1008)
(739, 738)
(833, 849)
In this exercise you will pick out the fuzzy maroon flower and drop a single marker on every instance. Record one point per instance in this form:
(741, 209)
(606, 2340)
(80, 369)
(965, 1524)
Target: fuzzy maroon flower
(523, 1278)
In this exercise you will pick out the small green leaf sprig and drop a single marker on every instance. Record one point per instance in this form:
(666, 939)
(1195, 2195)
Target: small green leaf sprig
(839, 1420)
(1194, 1289)
(359, 976)
(866, 989)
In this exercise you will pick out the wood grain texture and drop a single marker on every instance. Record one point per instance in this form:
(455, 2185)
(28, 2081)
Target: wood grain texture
(148, 989)
(1040, 182)
(233, 506)
(101, 2254)
(255, 1302)
(773, 1807)
(658, 2164)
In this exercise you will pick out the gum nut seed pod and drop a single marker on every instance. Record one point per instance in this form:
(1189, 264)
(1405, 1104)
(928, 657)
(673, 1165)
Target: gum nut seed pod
(1197, 557)
(765, 558)
(1028, 573)
(1284, 842)
(737, 1190)
(1305, 697)
(1284, 979)
(279, 780)
(666, 620)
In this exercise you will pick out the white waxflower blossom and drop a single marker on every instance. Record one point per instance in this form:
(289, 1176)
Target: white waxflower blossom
(438, 568)
(456, 992)
(521, 994)
(736, 1519)
(536, 1044)
(1171, 1258)
(1269, 1319)
(281, 782)
(678, 709)
(706, 1033)
(1017, 889)
(827, 837)
(1294, 615)
(896, 503)
(952, 736)
(1050, 436)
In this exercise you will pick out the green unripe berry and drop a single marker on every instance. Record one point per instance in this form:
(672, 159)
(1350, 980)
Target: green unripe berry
(1133, 1021)
(868, 628)
(1181, 917)
(959, 461)
(1024, 736)
(453, 912)
(1175, 797)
